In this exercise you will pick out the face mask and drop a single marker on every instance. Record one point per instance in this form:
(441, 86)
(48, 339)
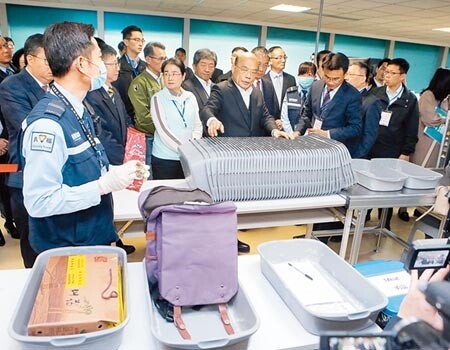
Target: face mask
(305, 82)
(98, 81)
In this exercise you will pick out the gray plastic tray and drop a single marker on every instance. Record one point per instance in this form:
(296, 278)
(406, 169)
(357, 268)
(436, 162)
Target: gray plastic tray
(377, 177)
(336, 297)
(204, 325)
(417, 177)
(106, 339)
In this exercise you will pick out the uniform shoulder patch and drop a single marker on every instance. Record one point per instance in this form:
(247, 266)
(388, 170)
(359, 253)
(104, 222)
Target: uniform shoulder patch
(56, 108)
(42, 141)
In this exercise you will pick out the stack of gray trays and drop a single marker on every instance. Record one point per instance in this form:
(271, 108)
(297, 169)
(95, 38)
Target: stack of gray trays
(262, 168)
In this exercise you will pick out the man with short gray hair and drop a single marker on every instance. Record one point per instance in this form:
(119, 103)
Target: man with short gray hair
(200, 83)
(143, 87)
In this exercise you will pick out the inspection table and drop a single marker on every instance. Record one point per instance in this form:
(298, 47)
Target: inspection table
(278, 330)
(251, 214)
(360, 199)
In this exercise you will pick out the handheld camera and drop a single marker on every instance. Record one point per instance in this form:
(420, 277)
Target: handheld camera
(427, 254)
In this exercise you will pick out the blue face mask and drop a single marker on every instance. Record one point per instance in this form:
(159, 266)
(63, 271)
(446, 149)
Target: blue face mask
(98, 81)
(305, 82)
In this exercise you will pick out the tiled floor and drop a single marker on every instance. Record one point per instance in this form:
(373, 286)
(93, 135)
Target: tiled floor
(10, 253)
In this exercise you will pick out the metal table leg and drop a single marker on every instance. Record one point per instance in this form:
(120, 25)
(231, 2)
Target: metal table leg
(357, 236)
(309, 229)
(346, 232)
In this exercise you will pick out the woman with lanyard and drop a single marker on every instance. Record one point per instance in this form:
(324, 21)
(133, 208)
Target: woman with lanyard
(176, 119)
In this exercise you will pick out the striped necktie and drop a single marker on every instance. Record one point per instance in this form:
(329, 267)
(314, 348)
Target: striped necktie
(111, 93)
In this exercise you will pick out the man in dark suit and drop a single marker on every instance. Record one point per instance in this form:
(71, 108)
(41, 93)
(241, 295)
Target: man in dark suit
(109, 106)
(236, 109)
(358, 75)
(5, 60)
(130, 64)
(18, 95)
(114, 120)
(180, 53)
(276, 82)
(200, 82)
(333, 107)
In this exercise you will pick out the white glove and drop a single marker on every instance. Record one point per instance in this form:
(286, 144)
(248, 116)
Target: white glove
(119, 177)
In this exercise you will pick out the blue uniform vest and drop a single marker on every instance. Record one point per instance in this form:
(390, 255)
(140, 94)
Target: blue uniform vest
(295, 104)
(90, 226)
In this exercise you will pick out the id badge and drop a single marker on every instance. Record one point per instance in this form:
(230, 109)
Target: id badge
(385, 118)
(317, 123)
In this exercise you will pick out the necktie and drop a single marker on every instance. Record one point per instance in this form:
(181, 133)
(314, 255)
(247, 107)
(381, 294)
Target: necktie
(304, 93)
(9, 71)
(326, 98)
(111, 93)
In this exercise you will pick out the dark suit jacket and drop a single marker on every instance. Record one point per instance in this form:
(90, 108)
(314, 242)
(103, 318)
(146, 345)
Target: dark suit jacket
(227, 105)
(19, 93)
(223, 77)
(126, 76)
(343, 115)
(193, 85)
(270, 96)
(360, 146)
(114, 122)
(217, 73)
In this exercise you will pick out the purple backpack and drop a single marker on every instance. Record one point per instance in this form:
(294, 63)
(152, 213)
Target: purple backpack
(191, 255)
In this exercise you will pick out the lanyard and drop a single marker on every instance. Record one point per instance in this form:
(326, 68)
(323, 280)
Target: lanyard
(86, 132)
(181, 112)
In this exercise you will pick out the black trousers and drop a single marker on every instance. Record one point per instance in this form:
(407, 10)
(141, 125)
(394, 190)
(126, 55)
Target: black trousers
(20, 215)
(165, 169)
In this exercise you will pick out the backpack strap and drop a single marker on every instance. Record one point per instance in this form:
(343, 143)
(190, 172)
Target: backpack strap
(225, 319)
(179, 323)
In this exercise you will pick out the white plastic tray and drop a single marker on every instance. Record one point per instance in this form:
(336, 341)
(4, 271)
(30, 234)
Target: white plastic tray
(332, 296)
(377, 177)
(417, 177)
(106, 339)
(204, 325)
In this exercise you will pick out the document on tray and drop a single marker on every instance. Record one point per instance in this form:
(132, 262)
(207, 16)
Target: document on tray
(313, 289)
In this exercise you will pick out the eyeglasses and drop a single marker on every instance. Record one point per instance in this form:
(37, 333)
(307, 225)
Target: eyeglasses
(327, 78)
(41, 58)
(245, 70)
(355, 75)
(158, 58)
(7, 46)
(117, 64)
(391, 72)
(137, 40)
(279, 57)
(171, 75)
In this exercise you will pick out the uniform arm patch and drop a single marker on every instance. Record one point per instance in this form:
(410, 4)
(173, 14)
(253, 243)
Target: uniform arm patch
(42, 141)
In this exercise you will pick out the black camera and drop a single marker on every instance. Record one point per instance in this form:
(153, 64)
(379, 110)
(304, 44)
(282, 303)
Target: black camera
(407, 334)
(427, 254)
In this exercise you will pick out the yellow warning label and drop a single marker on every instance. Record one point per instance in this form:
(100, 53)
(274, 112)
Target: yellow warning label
(76, 271)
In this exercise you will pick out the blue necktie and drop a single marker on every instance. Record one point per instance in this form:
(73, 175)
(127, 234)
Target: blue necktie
(326, 98)
(304, 93)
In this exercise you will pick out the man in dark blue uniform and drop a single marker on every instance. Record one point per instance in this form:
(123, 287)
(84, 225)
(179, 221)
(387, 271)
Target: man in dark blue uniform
(67, 178)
